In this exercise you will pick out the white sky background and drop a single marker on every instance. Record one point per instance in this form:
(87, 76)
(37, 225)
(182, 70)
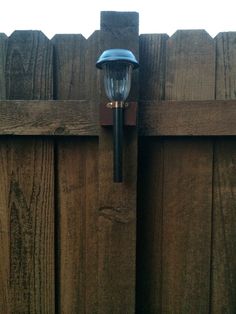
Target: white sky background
(83, 16)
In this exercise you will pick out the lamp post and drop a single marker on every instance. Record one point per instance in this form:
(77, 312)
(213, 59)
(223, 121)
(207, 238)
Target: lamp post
(117, 65)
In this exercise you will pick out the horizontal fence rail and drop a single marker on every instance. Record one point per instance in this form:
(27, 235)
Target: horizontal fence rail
(157, 118)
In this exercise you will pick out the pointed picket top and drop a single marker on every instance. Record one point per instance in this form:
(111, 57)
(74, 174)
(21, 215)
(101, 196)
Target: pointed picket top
(29, 59)
(152, 57)
(92, 74)
(3, 46)
(190, 66)
(69, 66)
(226, 65)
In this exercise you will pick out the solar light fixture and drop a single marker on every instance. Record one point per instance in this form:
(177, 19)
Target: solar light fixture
(117, 65)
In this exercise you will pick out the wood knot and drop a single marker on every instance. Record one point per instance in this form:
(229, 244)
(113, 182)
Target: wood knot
(116, 214)
(59, 130)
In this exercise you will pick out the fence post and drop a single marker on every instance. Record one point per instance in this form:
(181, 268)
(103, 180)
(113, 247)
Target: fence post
(117, 201)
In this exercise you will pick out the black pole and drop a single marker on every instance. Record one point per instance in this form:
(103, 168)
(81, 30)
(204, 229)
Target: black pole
(117, 144)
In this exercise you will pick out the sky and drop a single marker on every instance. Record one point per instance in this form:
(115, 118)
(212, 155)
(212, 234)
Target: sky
(83, 16)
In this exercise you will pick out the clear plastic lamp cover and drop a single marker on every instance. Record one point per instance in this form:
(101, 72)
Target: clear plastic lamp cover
(117, 80)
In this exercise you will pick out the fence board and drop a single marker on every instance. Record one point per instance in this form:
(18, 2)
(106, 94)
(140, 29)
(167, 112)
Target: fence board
(223, 250)
(29, 66)
(224, 219)
(3, 42)
(77, 159)
(77, 166)
(27, 184)
(48, 118)
(117, 202)
(152, 53)
(70, 66)
(187, 118)
(187, 186)
(149, 241)
(186, 225)
(150, 181)
(4, 218)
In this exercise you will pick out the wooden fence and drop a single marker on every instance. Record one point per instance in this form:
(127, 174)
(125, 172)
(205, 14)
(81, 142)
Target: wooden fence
(71, 240)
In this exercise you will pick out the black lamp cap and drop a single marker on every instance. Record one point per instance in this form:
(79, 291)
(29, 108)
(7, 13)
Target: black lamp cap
(113, 55)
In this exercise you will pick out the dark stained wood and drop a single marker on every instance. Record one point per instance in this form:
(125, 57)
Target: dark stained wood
(77, 187)
(93, 82)
(152, 49)
(77, 192)
(48, 118)
(190, 56)
(191, 118)
(29, 66)
(187, 201)
(3, 46)
(26, 198)
(225, 65)
(27, 201)
(69, 70)
(223, 286)
(187, 185)
(150, 181)
(156, 118)
(117, 202)
(5, 304)
(224, 234)
(149, 224)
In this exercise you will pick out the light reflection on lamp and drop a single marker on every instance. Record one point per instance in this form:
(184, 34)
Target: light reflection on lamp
(117, 65)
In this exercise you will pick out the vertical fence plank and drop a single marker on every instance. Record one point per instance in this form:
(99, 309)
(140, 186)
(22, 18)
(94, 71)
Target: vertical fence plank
(117, 202)
(77, 182)
(187, 186)
(224, 218)
(69, 68)
(27, 183)
(187, 196)
(223, 259)
(4, 220)
(150, 181)
(190, 66)
(149, 241)
(29, 66)
(152, 51)
(3, 42)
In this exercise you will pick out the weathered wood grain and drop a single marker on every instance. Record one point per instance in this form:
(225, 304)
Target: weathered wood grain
(190, 56)
(117, 202)
(187, 118)
(225, 65)
(27, 212)
(3, 46)
(150, 180)
(152, 49)
(5, 305)
(77, 201)
(80, 118)
(26, 198)
(187, 192)
(93, 82)
(69, 70)
(223, 286)
(48, 118)
(187, 185)
(29, 66)
(223, 250)
(77, 186)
